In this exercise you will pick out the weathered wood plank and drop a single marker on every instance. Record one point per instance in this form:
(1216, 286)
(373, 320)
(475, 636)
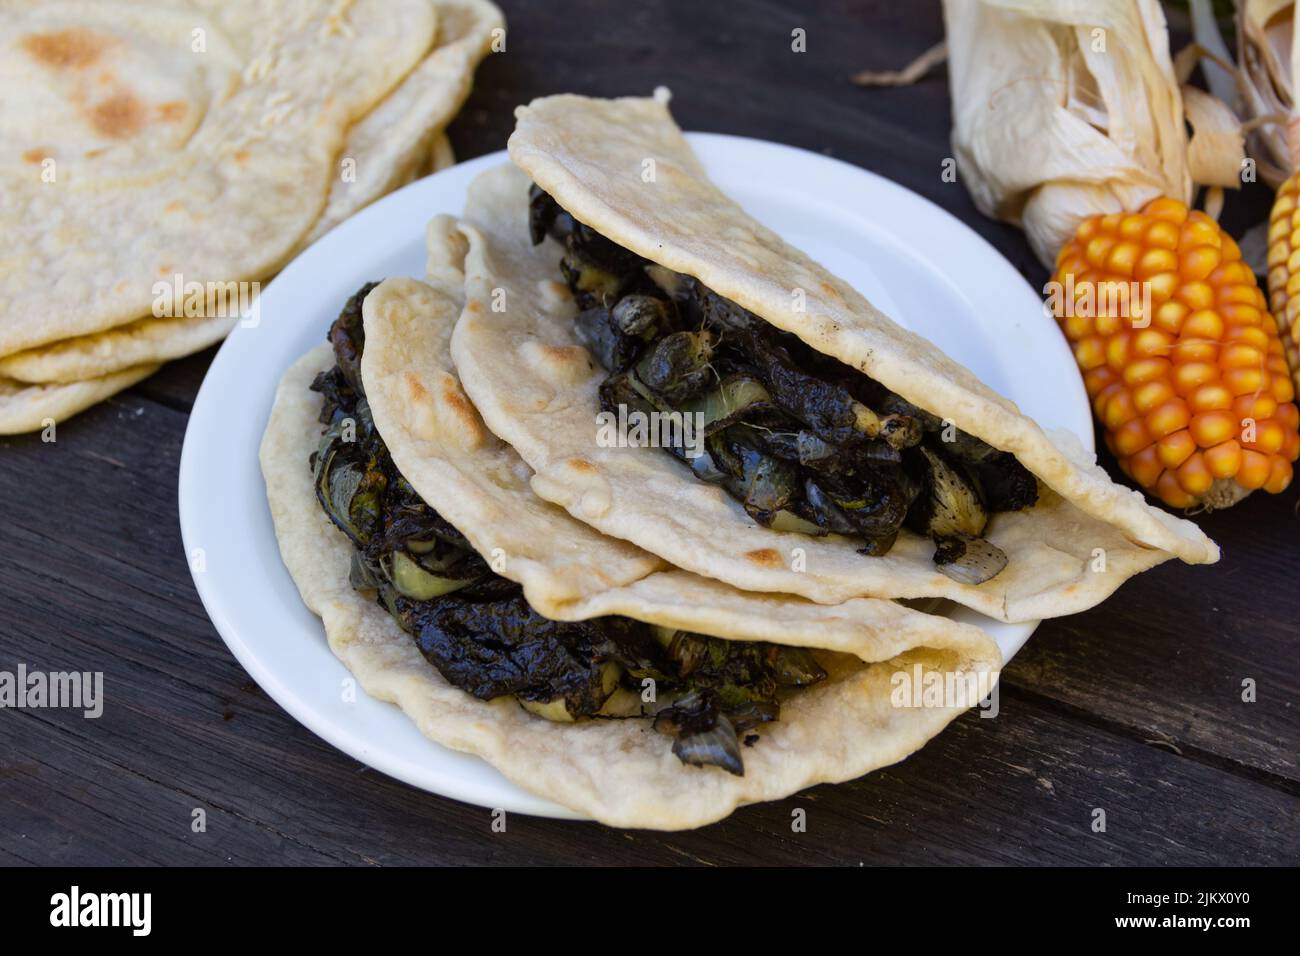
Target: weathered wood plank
(1022, 788)
(1168, 654)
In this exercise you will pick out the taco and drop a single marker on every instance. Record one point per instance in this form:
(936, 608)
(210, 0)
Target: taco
(834, 455)
(583, 668)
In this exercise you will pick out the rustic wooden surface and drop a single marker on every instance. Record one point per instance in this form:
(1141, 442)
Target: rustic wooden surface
(1134, 708)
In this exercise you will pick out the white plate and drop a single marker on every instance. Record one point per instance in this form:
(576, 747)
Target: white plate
(915, 261)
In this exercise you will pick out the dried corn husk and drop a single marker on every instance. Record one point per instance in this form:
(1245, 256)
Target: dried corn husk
(1063, 109)
(1267, 81)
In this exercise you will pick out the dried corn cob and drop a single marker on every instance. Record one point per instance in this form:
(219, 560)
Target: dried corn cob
(1284, 269)
(1180, 356)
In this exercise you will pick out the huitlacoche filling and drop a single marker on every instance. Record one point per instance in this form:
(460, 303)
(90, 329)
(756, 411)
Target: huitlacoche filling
(804, 442)
(480, 633)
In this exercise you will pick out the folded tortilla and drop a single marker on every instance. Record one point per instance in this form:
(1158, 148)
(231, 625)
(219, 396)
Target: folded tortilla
(522, 364)
(620, 772)
(25, 407)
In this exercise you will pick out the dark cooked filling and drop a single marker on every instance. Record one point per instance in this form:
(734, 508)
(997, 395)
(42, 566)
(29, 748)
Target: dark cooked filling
(477, 629)
(803, 441)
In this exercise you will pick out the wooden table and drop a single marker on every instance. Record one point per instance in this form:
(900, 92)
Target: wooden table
(1134, 707)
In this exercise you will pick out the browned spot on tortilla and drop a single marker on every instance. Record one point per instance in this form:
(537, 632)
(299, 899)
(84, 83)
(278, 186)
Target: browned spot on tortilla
(451, 394)
(119, 116)
(72, 49)
(415, 390)
(582, 465)
(563, 354)
(454, 399)
(166, 269)
(34, 155)
(92, 153)
(241, 157)
(474, 306)
(173, 206)
(172, 111)
(765, 557)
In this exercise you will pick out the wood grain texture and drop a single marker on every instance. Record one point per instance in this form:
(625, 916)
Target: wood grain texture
(1133, 708)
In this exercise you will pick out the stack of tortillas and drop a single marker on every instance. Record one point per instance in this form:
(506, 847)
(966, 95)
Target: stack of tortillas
(161, 158)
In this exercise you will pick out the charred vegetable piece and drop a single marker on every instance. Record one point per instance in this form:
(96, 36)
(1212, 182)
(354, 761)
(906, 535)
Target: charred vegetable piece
(436, 556)
(769, 484)
(875, 453)
(968, 448)
(875, 547)
(546, 218)
(496, 648)
(795, 666)
(735, 398)
(969, 560)
(677, 365)
(416, 583)
(786, 520)
(702, 735)
(1007, 484)
(706, 469)
(597, 270)
(892, 404)
(898, 431)
(348, 336)
(642, 316)
(350, 488)
(596, 249)
(688, 651)
(365, 575)
(723, 314)
(726, 685)
(825, 511)
(558, 708)
(541, 213)
(844, 463)
(337, 394)
(763, 483)
(812, 450)
(828, 409)
(950, 510)
(591, 285)
(679, 288)
(875, 504)
(741, 673)
(950, 503)
(608, 346)
(407, 517)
